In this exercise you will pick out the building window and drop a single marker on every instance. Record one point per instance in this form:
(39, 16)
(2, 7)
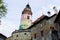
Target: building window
(34, 35)
(24, 33)
(31, 38)
(41, 33)
(27, 17)
(16, 39)
(16, 35)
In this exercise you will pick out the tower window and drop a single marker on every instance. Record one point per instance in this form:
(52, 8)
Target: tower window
(27, 17)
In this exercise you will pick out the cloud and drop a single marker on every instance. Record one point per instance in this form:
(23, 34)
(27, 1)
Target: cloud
(7, 27)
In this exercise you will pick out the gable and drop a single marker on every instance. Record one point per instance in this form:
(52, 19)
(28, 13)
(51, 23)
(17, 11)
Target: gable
(57, 20)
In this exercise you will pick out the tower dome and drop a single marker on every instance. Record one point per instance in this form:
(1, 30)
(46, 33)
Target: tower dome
(27, 10)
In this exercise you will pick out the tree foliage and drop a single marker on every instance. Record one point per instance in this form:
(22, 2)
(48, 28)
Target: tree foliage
(3, 9)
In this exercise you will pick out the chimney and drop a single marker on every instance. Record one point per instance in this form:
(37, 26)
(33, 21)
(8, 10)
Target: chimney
(55, 10)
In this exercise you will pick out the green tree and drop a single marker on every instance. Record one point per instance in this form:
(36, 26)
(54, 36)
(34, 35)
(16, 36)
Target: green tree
(3, 9)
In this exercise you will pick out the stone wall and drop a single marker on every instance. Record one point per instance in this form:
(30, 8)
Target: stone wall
(20, 35)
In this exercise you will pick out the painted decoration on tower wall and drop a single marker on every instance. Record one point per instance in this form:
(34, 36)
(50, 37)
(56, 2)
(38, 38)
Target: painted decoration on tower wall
(25, 16)
(25, 24)
(25, 21)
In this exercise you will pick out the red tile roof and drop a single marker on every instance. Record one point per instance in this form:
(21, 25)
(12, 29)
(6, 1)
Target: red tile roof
(40, 18)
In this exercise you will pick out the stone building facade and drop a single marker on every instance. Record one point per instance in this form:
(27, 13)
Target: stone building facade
(40, 29)
(57, 20)
(20, 35)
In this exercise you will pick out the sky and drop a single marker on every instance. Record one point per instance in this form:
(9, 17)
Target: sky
(11, 21)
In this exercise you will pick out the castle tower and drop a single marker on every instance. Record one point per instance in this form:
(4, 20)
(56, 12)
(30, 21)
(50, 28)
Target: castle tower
(26, 18)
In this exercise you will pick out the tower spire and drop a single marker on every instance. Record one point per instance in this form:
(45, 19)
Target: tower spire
(28, 9)
(28, 6)
(26, 17)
